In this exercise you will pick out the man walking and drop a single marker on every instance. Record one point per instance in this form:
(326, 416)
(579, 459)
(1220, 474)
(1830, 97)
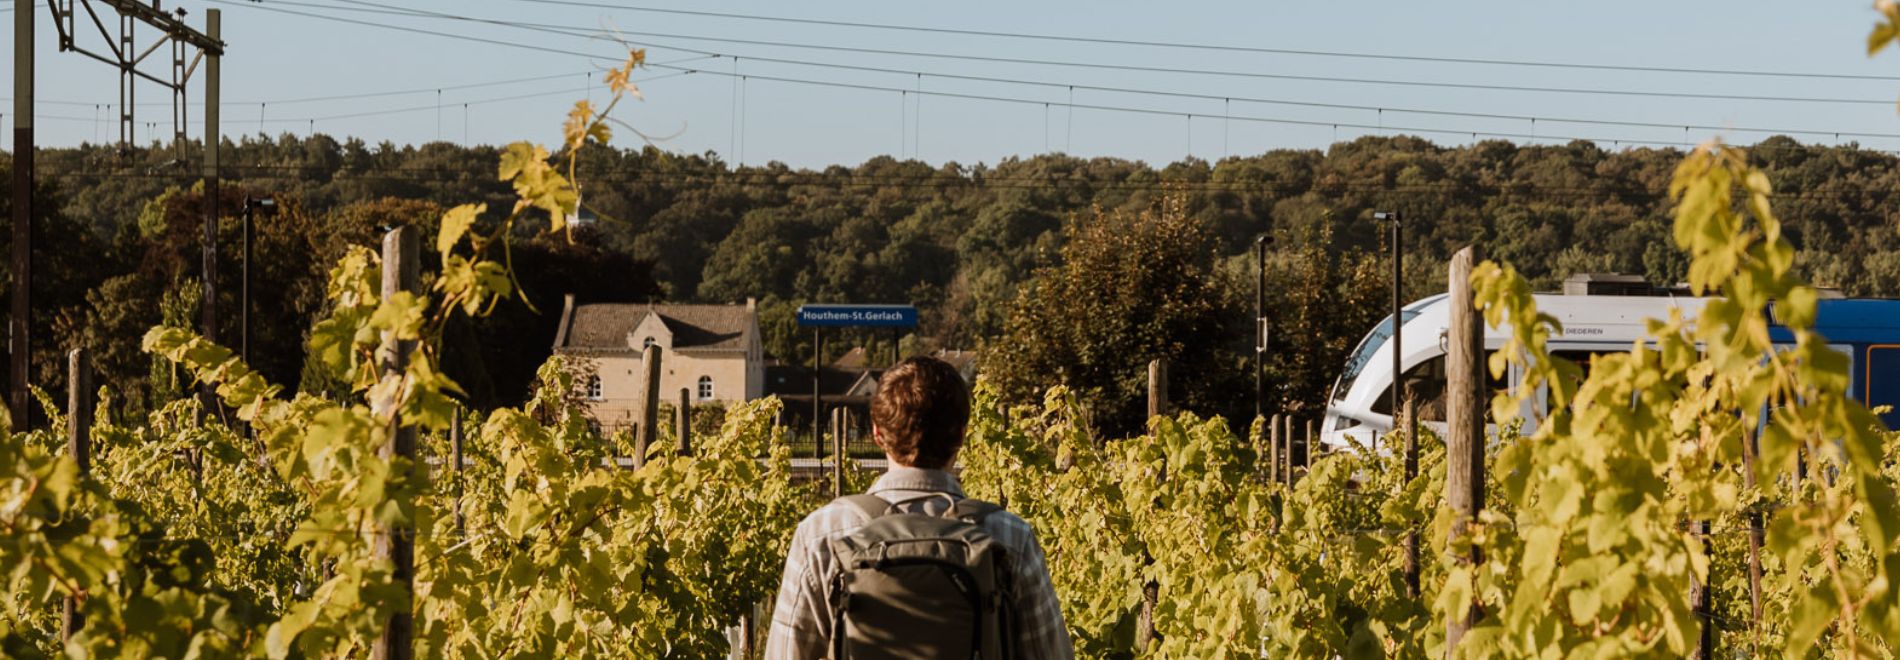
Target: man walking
(913, 569)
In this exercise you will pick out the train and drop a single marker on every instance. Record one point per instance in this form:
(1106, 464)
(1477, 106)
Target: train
(1358, 408)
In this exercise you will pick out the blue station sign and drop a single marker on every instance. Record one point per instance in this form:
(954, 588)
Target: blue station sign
(838, 316)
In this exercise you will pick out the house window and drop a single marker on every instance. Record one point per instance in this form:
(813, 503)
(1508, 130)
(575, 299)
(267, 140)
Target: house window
(594, 391)
(648, 344)
(705, 388)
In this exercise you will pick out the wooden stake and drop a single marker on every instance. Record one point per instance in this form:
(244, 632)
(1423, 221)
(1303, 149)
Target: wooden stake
(455, 459)
(1273, 447)
(644, 434)
(1702, 601)
(838, 417)
(1751, 447)
(1157, 387)
(1464, 414)
(1286, 451)
(1306, 446)
(1410, 421)
(1145, 634)
(683, 424)
(401, 272)
(78, 443)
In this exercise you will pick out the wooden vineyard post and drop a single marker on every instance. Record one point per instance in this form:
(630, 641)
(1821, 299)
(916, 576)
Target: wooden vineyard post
(78, 443)
(1464, 415)
(455, 459)
(1286, 451)
(839, 417)
(401, 272)
(1306, 446)
(1410, 421)
(1145, 635)
(1703, 602)
(683, 422)
(1273, 447)
(1750, 449)
(1157, 387)
(817, 393)
(644, 435)
(79, 409)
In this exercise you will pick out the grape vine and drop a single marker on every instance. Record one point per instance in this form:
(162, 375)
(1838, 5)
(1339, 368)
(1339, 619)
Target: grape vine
(1707, 458)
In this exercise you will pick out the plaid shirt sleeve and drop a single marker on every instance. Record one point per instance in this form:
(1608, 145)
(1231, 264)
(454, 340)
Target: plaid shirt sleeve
(1041, 633)
(801, 610)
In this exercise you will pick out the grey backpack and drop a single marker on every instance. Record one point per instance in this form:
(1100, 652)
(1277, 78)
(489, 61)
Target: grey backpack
(914, 585)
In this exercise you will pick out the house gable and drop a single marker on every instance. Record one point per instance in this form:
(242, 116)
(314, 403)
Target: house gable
(652, 327)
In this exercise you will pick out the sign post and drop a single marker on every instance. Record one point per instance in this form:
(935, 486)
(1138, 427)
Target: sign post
(839, 316)
(819, 317)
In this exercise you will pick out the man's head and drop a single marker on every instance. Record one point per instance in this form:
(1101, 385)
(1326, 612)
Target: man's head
(920, 411)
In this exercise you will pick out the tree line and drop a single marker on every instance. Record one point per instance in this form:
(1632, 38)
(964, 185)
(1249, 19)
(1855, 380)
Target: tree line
(974, 246)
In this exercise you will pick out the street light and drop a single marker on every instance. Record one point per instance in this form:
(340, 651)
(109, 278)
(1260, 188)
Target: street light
(1260, 324)
(1398, 380)
(1398, 271)
(251, 206)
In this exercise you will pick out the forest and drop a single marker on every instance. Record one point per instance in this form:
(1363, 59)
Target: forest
(963, 242)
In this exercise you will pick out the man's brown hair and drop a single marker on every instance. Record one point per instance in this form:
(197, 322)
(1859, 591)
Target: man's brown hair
(920, 409)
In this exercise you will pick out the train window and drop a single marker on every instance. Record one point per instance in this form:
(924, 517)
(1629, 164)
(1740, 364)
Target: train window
(1883, 381)
(1426, 381)
(1363, 355)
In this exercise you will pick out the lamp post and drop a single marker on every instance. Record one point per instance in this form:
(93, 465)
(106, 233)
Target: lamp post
(251, 206)
(1260, 324)
(1398, 383)
(1398, 271)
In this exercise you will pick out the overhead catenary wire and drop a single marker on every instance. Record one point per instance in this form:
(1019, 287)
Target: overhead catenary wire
(1378, 110)
(348, 96)
(985, 97)
(465, 104)
(1221, 47)
(587, 33)
(1175, 113)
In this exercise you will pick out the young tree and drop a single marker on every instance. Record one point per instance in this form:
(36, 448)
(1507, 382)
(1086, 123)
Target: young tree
(1132, 287)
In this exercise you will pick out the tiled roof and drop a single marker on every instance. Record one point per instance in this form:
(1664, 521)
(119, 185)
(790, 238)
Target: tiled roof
(962, 360)
(853, 359)
(604, 326)
(793, 380)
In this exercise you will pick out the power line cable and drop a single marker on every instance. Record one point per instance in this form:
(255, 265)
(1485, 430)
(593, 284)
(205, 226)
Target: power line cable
(981, 97)
(1532, 119)
(1173, 113)
(573, 31)
(418, 108)
(1221, 48)
(413, 30)
(362, 95)
(499, 99)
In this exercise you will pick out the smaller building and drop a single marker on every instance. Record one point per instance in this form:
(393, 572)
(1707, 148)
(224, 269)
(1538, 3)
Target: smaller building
(847, 387)
(713, 352)
(848, 382)
(964, 361)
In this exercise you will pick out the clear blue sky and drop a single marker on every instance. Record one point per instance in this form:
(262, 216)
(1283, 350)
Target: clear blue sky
(274, 58)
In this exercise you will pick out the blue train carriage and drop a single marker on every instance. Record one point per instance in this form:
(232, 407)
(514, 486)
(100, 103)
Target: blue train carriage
(1868, 331)
(1359, 406)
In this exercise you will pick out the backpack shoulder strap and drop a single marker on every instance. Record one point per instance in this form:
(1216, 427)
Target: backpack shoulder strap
(872, 506)
(972, 511)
